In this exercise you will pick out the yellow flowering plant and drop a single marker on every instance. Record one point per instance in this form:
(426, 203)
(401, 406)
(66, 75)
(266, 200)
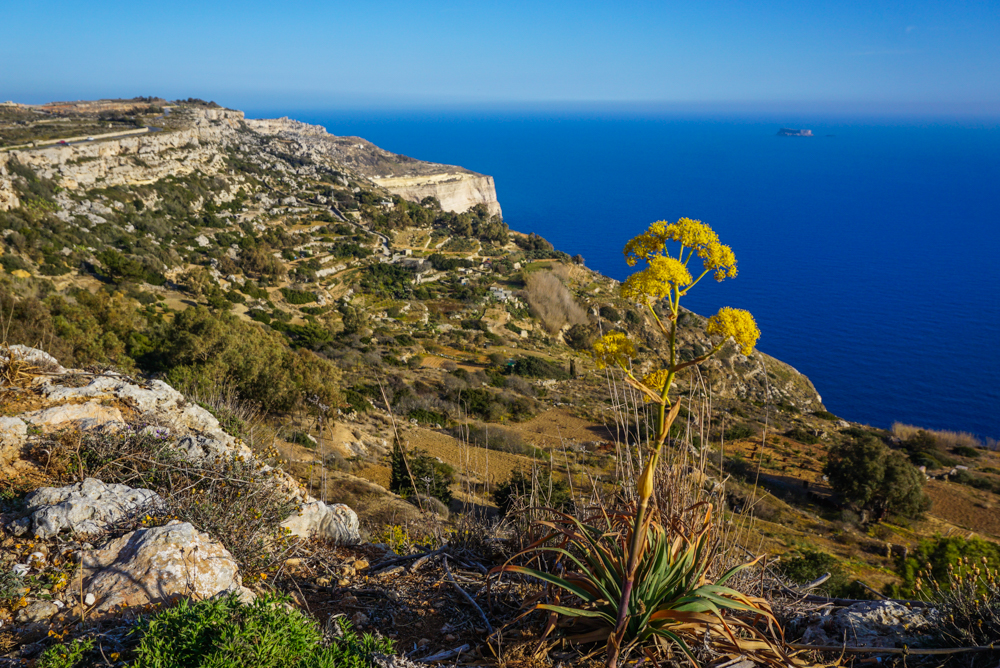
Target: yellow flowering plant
(642, 581)
(668, 250)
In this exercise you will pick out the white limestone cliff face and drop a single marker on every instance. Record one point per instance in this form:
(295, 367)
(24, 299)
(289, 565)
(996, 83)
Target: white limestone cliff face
(135, 159)
(456, 192)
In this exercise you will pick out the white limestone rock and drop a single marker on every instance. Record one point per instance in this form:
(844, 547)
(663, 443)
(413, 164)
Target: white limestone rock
(159, 564)
(335, 522)
(13, 434)
(87, 507)
(87, 416)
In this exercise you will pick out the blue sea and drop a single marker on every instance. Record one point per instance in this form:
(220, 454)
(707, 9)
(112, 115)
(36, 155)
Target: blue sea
(868, 253)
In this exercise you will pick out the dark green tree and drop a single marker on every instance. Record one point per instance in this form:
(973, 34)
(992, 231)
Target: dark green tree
(875, 480)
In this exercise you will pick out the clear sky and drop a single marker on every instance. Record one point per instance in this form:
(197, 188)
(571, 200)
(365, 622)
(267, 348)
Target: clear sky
(869, 55)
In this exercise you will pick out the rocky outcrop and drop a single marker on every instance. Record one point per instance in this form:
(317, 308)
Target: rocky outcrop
(8, 196)
(87, 507)
(456, 188)
(868, 624)
(102, 403)
(158, 565)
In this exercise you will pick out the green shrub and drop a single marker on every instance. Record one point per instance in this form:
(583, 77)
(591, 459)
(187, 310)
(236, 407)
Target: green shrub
(431, 476)
(65, 655)
(225, 633)
(802, 436)
(610, 313)
(966, 451)
(826, 415)
(298, 296)
(535, 367)
(936, 557)
(425, 416)
(739, 432)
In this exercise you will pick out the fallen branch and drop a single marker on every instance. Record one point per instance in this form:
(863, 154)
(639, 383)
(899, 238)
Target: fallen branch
(447, 654)
(894, 650)
(451, 579)
(399, 560)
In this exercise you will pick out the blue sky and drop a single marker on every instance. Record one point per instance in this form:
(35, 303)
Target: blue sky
(862, 56)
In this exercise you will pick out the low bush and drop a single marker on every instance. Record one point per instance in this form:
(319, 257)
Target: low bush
(936, 559)
(298, 296)
(268, 633)
(802, 435)
(531, 366)
(540, 489)
(809, 565)
(739, 432)
(66, 655)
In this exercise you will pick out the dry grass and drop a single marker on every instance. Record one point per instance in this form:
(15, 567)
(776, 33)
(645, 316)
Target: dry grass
(552, 302)
(946, 440)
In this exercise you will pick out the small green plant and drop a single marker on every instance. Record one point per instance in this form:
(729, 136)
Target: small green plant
(11, 586)
(268, 633)
(809, 565)
(65, 655)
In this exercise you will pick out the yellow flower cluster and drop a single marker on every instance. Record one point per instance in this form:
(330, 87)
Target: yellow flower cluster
(648, 244)
(656, 380)
(657, 280)
(611, 349)
(691, 233)
(694, 234)
(719, 259)
(735, 323)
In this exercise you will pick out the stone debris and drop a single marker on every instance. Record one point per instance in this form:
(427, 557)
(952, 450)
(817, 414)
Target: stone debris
(87, 507)
(158, 564)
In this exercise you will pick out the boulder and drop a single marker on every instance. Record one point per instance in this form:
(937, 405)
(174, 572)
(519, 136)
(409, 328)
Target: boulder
(159, 564)
(335, 522)
(13, 434)
(87, 507)
(87, 416)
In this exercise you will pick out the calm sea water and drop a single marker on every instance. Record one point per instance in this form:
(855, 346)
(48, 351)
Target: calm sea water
(868, 254)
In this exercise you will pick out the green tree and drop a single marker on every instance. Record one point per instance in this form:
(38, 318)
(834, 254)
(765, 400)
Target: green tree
(875, 480)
